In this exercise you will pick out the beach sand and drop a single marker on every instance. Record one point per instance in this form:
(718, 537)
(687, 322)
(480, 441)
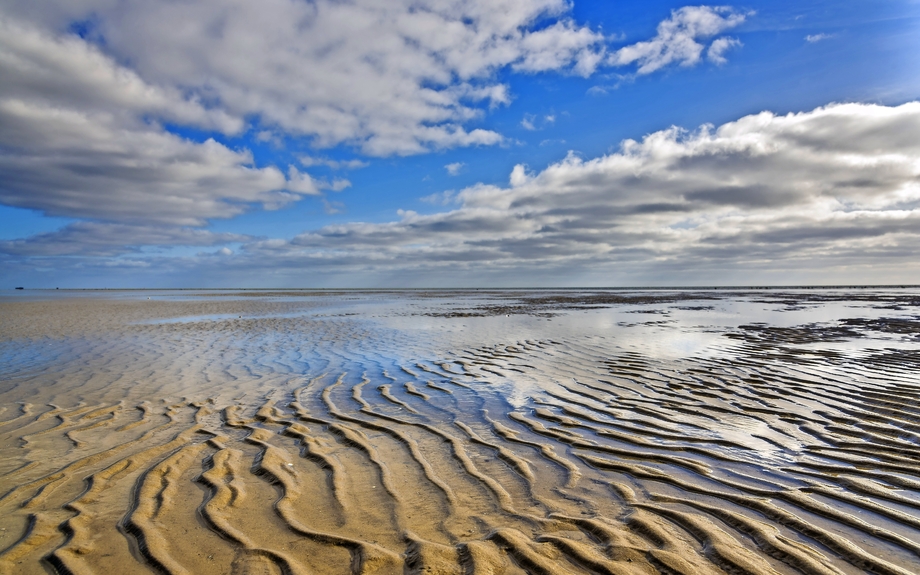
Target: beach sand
(716, 432)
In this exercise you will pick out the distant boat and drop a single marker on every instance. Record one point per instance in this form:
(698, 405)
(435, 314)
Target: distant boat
(20, 288)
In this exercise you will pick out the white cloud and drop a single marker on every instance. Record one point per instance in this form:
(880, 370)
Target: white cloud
(64, 71)
(716, 51)
(601, 90)
(269, 137)
(532, 123)
(440, 199)
(397, 77)
(837, 184)
(677, 41)
(339, 184)
(558, 46)
(812, 38)
(106, 240)
(82, 121)
(77, 141)
(353, 164)
(332, 208)
(307, 185)
(76, 164)
(454, 168)
(519, 176)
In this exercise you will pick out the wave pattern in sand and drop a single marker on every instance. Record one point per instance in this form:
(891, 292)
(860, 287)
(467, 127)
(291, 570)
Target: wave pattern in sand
(552, 456)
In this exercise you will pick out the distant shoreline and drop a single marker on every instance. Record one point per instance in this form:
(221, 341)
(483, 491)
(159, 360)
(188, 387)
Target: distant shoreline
(494, 289)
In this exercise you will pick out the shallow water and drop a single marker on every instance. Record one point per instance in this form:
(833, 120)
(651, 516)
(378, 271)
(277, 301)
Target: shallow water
(575, 431)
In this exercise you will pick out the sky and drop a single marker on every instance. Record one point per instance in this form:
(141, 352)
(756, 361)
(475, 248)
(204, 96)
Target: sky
(458, 143)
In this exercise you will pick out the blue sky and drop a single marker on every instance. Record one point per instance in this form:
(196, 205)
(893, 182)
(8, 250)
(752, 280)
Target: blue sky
(453, 144)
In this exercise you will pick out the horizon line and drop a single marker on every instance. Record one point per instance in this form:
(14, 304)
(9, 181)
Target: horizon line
(481, 288)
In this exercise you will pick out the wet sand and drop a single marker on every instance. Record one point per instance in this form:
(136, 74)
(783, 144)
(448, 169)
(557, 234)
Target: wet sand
(478, 432)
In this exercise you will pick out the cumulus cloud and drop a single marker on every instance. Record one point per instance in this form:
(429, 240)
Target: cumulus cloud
(678, 39)
(352, 164)
(454, 168)
(103, 239)
(531, 122)
(70, 163)
(836, 186)
(441, 198)
(812, 38)
(558, 46)
(66, 71)
(84, 117)
(839, 183)
(339, 184)
(718, 48)
(77, 141)
(398, 77)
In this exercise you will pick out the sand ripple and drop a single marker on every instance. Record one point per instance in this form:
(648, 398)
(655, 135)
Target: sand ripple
(296, 446)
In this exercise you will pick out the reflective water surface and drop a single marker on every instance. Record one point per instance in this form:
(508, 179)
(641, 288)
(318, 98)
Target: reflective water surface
(574, 431)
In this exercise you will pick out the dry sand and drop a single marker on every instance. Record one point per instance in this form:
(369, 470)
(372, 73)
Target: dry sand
(502, 433)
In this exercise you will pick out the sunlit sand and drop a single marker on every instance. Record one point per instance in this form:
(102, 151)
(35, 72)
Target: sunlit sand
(698, 432)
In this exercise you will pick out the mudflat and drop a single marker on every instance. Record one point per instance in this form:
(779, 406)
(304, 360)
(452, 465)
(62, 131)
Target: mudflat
(460, 432)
